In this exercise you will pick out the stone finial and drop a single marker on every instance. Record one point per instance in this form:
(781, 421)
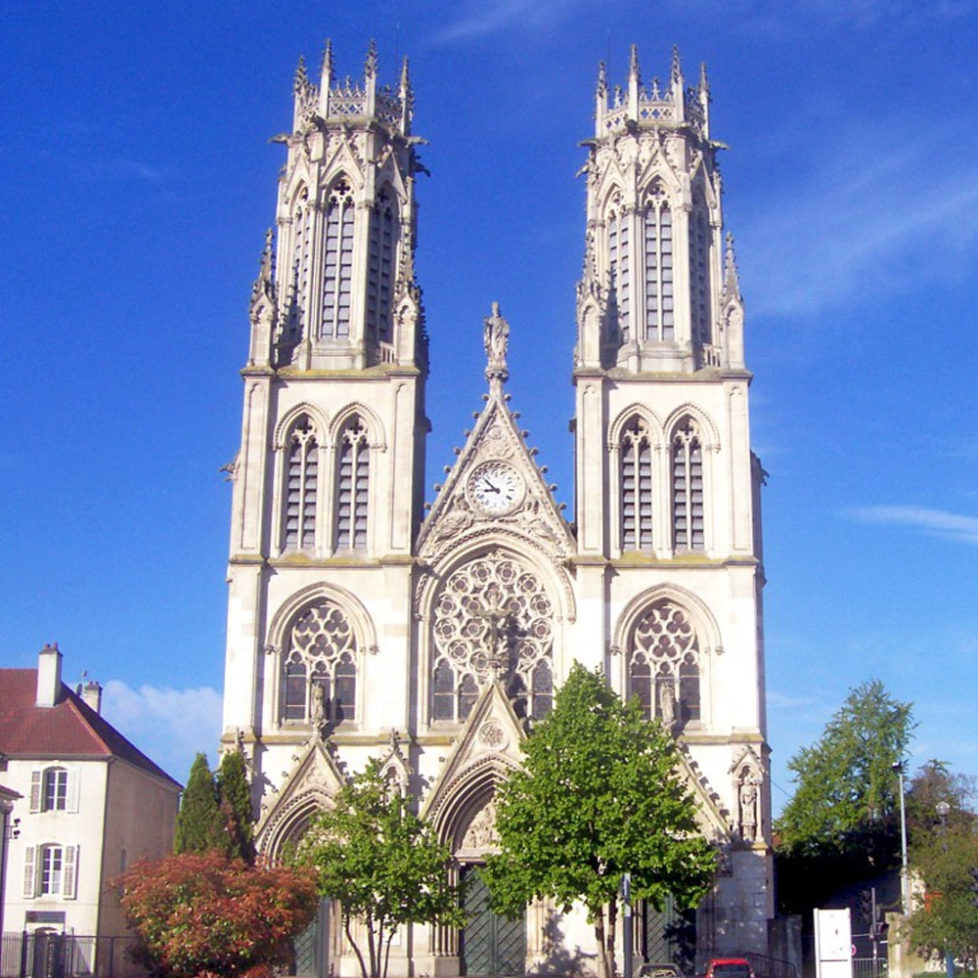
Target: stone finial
(327, 74)
(704, 81)
(495, 334)
(633, 71)
(731, 280)
(602, 87)
(301, 79)
(370, 65)
(675, 72)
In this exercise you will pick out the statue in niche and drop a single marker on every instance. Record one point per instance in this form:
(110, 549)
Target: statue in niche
(748, 808)
(318, 708)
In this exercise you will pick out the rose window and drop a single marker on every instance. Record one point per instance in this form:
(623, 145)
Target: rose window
(493, 618)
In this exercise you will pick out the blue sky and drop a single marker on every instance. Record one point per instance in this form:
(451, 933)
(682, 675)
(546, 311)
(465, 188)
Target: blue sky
(136, 183)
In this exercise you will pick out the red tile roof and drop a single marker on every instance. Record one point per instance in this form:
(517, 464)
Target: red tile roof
(70, 728)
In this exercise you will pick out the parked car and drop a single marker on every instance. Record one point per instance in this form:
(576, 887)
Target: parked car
(729, 968)
(647, 969)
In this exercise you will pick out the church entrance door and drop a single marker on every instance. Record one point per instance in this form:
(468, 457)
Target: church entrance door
(490, 944)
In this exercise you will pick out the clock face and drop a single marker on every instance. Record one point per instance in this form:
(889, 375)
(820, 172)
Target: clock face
(495, 487)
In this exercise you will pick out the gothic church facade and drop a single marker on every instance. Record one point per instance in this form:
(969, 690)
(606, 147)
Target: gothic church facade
(359, 627)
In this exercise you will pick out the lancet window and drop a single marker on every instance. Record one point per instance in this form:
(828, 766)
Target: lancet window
(659, 297)
(619, 267)
(301, 262)
(687, 488)
(699, 270)
(338, 262)
(302, 482)
(380, 271)
(352, 486)
(319, 667)
(492, 619)
(636, 487)
(664, 665)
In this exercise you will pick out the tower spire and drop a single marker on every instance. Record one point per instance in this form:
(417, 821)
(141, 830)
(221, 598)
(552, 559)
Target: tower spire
(407, 97)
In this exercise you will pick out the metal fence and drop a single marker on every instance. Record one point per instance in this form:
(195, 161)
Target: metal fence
(48, 954)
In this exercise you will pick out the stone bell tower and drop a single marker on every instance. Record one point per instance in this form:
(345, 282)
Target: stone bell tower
(669, 563)
(328, 479)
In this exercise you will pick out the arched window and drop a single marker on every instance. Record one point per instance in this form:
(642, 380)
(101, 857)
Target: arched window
(338, 262)
(619, 267)
(352, 486)
(659, 300)
(699, 271)
(301, 262)
(636, 487)
(302, 480)
(319, 671)
(380, 270)
(687, 488)
(492, 618)
(663, 664)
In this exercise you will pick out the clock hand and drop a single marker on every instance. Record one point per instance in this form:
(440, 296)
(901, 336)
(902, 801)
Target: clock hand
(489, 485)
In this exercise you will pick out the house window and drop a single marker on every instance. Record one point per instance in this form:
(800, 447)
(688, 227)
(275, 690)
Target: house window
(319, 671)
(54, 789)
(636, 487)
(338, 262)
(663, 665)
(302, 481)
(50, 871)
(352, 487)
(687, 488)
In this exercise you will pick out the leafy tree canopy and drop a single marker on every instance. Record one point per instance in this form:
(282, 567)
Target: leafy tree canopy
(204, 915)
(842, 824)
(846, 782)
(943, 851)
(598, 796)
(375, 856)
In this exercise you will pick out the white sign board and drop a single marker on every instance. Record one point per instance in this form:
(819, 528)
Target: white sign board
(833, 944)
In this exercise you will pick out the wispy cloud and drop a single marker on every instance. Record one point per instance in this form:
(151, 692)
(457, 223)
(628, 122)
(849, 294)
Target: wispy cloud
(953, 526)
(784, 701)
(483, 19)
(865, 225)
(168, 725)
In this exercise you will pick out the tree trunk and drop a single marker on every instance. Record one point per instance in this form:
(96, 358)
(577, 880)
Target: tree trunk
(610, 936)
(354, 945)
(599, 942)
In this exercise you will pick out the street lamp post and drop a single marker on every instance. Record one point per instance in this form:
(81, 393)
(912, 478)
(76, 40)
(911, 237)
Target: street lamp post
(904, 870)
(943, 810)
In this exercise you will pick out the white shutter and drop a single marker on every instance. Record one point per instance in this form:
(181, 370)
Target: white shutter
(37, 785)
(30, 870)
(72, 789)
(70, 878)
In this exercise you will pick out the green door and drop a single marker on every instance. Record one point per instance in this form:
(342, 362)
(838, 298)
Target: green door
(310, 947)
(490, 944)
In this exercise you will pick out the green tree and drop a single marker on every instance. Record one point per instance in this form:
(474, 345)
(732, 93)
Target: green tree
(234, 799)
(943, 851)
(383, 864)
(841, 825)
(598, 796)
(199, 822)
(201, 914)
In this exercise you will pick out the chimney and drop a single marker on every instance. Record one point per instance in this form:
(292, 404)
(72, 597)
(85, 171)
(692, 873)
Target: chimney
(48, 675)
(92, 695)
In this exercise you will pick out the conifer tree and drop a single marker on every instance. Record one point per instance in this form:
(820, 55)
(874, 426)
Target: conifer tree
(234, 795)
(199, 823)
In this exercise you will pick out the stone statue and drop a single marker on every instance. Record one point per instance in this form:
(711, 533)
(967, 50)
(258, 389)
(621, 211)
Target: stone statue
(748, 808)
(496, 338)
(667, 703)
(318, 707)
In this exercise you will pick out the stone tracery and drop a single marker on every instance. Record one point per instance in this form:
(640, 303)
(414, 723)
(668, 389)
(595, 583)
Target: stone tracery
(492, 618)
